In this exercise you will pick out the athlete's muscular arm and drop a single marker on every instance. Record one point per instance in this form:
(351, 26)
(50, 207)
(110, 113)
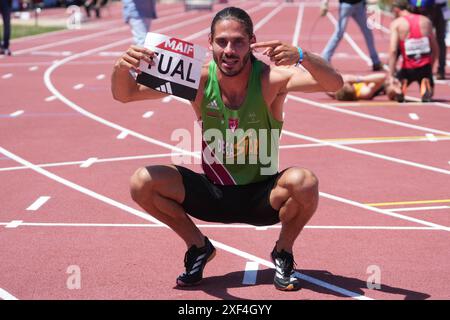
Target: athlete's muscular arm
(320, 75)
(433, 43)
(196, 104)
(123, 86)
(393, 47)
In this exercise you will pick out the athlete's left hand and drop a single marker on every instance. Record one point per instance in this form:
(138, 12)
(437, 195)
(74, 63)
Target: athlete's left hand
(280, 53)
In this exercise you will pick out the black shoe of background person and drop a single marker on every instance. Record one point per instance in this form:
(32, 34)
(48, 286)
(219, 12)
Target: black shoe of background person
(399, 97)
(4, 51)
(427, 96)
(195, 261)
(377, 67)
(284, 279)
(440, 75)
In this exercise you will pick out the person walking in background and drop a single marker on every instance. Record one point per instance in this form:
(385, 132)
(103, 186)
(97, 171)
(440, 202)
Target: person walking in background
(139, 14)
(440, 26)
(357, 10)
(5, 9)
(96, 5)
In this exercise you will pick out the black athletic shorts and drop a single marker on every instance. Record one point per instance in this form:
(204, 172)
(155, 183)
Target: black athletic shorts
(416, 74)
(248, 204)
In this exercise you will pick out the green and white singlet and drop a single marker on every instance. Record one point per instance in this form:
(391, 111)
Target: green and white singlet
(239, 146)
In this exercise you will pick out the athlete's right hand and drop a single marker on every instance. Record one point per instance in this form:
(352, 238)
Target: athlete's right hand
(131, 59)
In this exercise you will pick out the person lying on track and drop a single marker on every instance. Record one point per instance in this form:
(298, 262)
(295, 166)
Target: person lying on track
(238, 95)
(367, 87)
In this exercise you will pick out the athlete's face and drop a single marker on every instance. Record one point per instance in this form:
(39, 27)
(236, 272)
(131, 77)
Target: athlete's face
(230, 46)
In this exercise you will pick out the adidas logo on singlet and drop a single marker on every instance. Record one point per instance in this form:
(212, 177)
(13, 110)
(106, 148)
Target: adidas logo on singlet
(252, 118)
(213, 105)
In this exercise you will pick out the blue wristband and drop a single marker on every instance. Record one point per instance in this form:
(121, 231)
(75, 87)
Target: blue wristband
(300, 52)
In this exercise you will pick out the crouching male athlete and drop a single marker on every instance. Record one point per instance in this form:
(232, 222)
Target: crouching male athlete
(237, 93)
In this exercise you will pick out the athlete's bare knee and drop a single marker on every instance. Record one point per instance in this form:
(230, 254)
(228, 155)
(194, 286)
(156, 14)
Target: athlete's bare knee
(140, 184)
(300, 180)
(303, 187)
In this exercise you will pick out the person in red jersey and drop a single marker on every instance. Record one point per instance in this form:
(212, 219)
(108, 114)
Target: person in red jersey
(412, 38)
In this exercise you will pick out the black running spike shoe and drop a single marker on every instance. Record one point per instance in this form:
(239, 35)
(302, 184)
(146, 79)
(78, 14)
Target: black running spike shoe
(284, 279)
(195, 260)
(427, 96)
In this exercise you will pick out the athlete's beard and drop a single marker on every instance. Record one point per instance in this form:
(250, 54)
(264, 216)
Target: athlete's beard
(235, 73)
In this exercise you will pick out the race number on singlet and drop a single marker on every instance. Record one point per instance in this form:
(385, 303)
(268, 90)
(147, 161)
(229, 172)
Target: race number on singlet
(177, 66)
(415, 48)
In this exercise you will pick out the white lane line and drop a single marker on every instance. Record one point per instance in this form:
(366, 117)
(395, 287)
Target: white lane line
(88, 163)
(414, 116)
(110, 53)
(147, 115)
(367, 153)
(5, 295)
(261, 228)
(211, 226)
(367, 116)
(33, 68)
(70, 40)
(176, 154)
(13, 224)
(70, 163)
(419, 208)
(100, 77)
(38, 203)
(17, 113)
(50, 98)
(358, 142)
(7, 76)
(431, 137)
(298, 24)
(266, 263)
(77, 187)
(371, 228)
(78, 86)
(167, 99)
(331, 287)
(268, 17)
(384, 212)
(251, 272)
(51, 53)
(122, 135)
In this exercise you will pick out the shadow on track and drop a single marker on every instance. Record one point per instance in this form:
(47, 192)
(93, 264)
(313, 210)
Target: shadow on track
(218, 286)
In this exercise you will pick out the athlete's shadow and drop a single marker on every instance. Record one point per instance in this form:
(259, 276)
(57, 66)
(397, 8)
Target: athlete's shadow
(440, 100)
(218, 286)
